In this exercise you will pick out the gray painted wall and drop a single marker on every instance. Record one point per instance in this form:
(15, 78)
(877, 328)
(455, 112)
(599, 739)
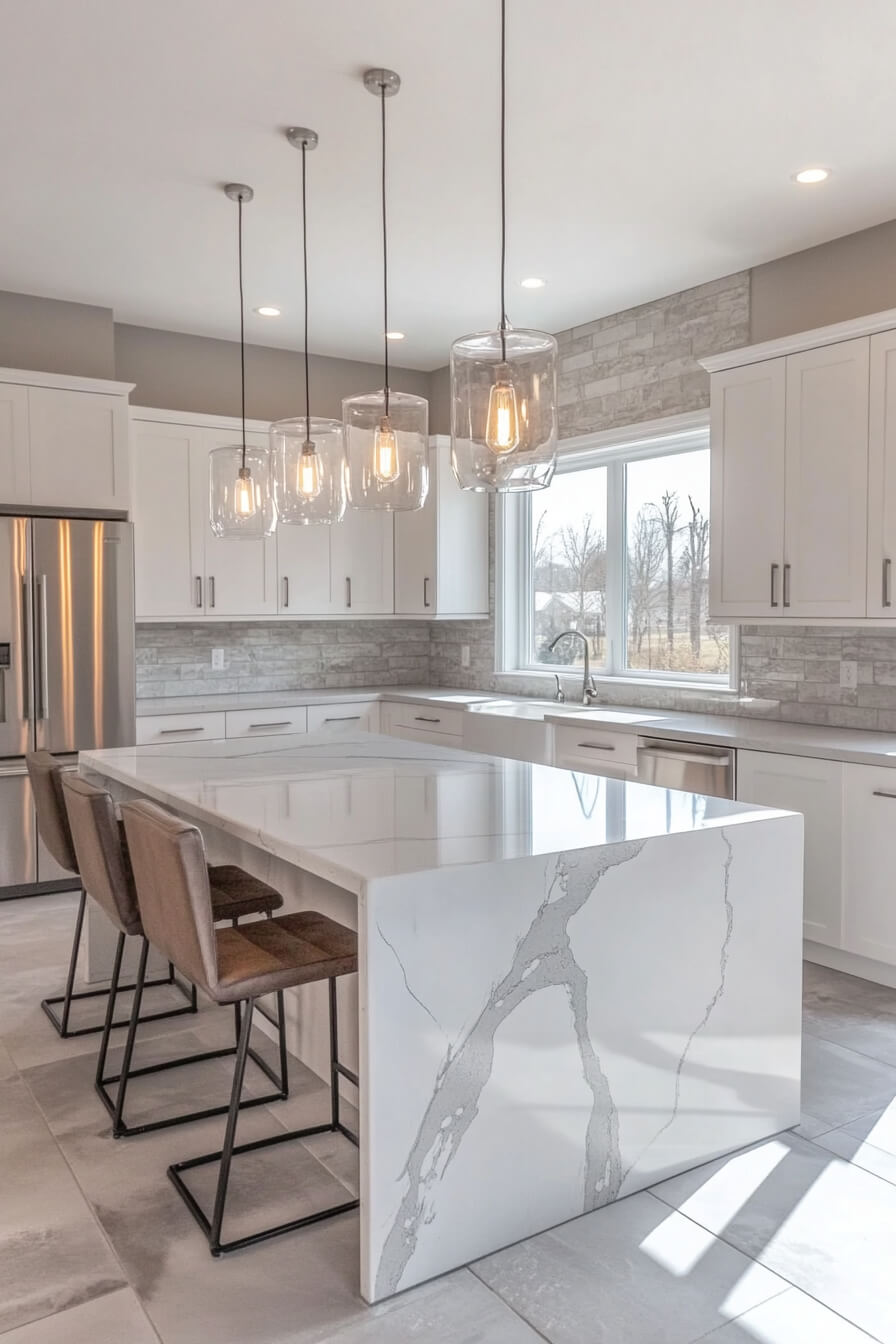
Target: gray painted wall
(52, 336)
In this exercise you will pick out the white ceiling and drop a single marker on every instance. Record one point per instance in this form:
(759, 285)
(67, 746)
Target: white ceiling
(651, 145)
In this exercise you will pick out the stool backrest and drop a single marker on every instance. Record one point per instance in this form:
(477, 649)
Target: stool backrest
(170, 873)
(45, 774)
(102, 858)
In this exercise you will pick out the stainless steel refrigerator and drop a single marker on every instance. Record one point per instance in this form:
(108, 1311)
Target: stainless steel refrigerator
(66, 666)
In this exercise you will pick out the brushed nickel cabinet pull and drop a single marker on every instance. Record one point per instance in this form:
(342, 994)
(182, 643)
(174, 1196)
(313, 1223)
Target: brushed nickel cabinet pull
(348, 592)
(211, 590)
(594, 746)
(786, 585)
(882, 793)
(773, 602)
(421, 718)
(285, 590)
(284, 723)
(886, 599)
(199, 590)
(426, 601)
(342, 718)
(175, 732)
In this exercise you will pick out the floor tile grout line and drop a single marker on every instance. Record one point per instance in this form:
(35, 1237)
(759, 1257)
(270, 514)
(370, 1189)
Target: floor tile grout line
(851, 1049)
(504, 1303)
(93, 1213)
(778, 1274)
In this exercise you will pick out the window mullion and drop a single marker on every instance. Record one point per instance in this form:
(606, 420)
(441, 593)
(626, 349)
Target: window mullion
(615, 567)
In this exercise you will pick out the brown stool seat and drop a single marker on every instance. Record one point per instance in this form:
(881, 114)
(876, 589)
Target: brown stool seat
(236, 893)
(282, 953)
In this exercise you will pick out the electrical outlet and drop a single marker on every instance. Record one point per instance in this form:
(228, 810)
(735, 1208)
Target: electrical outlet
(465, 655)
(218, 660)
(849, 676)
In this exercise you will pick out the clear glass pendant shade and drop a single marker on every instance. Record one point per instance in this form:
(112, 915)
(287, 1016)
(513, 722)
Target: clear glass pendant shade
(309, 470)
(504, 410)
(241, 498)
(387, 455)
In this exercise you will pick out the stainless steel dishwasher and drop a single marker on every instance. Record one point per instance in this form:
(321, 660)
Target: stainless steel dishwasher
(692, 766)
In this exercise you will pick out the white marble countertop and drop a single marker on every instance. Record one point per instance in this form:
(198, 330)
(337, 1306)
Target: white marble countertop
(356, 807)
(756, 734)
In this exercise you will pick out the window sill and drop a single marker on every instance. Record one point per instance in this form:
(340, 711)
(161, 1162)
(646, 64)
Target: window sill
(602, 679)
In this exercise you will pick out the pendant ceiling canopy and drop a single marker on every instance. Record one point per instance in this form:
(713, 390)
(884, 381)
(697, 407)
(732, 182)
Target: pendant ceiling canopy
(504, 385)
(386, 432)
(241, 494)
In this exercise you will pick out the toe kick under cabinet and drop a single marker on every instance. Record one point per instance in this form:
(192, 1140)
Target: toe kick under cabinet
(850, 850)
(371, 564)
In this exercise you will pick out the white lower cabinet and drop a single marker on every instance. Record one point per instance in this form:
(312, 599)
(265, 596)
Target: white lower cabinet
(266, 722)
(869, 862)
(597, 751)
(815, 788)
(179, 727)
(423, 723)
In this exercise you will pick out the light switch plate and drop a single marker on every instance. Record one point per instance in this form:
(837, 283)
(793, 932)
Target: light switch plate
(849, 676)
(218, 660)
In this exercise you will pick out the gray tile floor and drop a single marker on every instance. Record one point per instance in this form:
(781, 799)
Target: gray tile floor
(789, 1242)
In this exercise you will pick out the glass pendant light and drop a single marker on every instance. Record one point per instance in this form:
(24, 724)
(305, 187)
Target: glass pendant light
(386, 432)
(504, 386)
(309, 454)
(241, 495)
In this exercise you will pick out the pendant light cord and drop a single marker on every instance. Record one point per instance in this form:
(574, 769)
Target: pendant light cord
(503, 326)
(305, 273)
(242, 326)
(385, 258)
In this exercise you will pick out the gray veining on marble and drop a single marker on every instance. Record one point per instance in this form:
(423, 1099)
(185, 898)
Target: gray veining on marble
(543, 957)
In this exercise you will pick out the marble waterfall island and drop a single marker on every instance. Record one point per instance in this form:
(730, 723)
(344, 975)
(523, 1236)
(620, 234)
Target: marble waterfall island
(570, 987)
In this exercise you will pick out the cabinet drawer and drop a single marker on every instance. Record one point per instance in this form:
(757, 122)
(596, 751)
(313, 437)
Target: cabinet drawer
(266, 722)
(426, 719)
(179, 727)
(577, 748)
(343, 718)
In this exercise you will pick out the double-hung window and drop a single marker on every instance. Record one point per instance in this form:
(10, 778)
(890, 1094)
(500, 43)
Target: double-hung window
(617, 548)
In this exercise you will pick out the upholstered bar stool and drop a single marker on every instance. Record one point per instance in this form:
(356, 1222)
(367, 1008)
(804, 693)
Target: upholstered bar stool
(46, 777)
(106, 871)
(233, 966)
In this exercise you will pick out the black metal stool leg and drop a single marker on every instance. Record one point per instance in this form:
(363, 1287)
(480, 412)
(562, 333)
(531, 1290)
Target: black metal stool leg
(62, 1028)
(284, 1057)
(334, 1057)
(117, 1129)
(239, 1073)
(110, 1010)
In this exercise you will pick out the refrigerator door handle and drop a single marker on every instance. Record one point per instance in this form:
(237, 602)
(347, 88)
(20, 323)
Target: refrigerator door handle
(43, 695)
(26, 649)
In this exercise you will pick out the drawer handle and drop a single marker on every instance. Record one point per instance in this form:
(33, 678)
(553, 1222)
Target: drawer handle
(594, 746)
(342, 718)
(882, 793)
(886, 600)
(773, 601)
(786, 585)
(199, 590)
(284, 723)
(421, 718)
(173, 732)
(426, 601)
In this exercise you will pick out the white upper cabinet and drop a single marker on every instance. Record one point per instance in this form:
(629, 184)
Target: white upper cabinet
(303, 569)
(15, 463)
(169, 572)
(441, 550)
(361, 565)
(803, 434)
(882, 475)
(747, 483)
(64, 442)
(826, 487)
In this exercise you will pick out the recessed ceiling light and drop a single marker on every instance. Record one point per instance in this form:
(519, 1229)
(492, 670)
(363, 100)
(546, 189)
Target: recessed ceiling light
(267, 310)
(806, 176)
(532, 282)
(394, 335)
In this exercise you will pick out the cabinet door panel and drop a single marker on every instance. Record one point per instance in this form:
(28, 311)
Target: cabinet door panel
(869, 862)
(416, 535)
(361, 563)
(167, 550)
(882, 476)
(15, 469)
(747, 509)
(303, 568)
(240, 576)
(826, 507)
(79, 449)
(815, 788)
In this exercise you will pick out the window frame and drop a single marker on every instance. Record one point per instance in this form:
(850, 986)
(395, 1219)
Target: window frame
(611, 449)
